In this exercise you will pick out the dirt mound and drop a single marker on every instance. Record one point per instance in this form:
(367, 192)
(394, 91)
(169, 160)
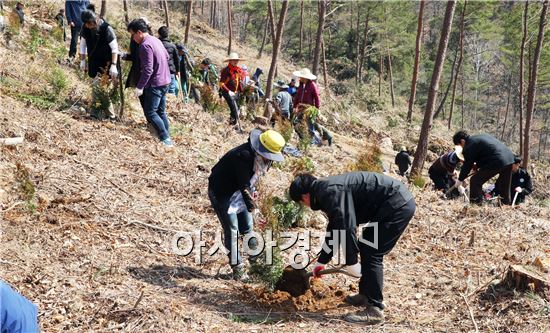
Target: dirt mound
(294, 281)
(319, 297)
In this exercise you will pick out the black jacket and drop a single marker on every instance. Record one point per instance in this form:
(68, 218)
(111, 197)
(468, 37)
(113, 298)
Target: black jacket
(356, 198)
(487, 152)
(173, 59)
(233, 173)
(403, 161)
(523, 180)
(99, 51)
(135, 69)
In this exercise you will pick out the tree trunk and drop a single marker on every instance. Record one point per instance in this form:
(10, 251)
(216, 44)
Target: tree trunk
(442, 103)
(462, 99)
(320, 28)
(507, 109)
(188, 22)
(103, 10)
(380, 73)
(276, 47)
(363, 47)
(521, 72)
(263, 38)
(271, 20)
(422, 148)
(245, 29)
(390, 73)
(532, 88)
(301, 30)
(125, 6)
(229, 27)
(166, 17)
(357, 45)
(416, 60)
(461, 56)
(324, 60)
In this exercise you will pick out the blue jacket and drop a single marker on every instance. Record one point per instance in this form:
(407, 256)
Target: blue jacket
(73, 10)
(17, 314)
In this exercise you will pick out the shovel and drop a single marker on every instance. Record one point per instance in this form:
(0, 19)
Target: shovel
(297, 281)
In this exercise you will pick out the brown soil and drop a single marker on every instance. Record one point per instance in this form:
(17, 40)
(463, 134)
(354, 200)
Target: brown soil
(320, 296)
(294, 281)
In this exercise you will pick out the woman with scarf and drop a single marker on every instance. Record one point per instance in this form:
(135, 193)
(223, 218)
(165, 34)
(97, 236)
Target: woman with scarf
(307, 95)
(231, 85)
(231, 189)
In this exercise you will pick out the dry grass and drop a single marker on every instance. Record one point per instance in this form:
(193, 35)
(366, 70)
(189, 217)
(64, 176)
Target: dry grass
(96, 254)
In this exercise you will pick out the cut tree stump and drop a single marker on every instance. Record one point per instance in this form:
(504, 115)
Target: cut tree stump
(525, 278)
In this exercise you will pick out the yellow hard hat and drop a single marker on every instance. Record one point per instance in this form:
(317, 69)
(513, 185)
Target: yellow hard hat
(268, 144)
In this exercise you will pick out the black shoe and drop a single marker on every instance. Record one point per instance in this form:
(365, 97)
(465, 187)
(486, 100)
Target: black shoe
(357, 300)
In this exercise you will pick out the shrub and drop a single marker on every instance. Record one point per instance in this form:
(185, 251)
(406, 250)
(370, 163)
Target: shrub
(36, 41)
(418, 181)
(26, 186)
(58, 82)
(210, 101)
(268, 274)
(284, 126)
(288, 212)
(106, 93)
(369, 160)
(301, 165)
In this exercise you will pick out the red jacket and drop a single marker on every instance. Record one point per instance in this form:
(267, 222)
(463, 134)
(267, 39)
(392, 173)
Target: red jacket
(307, 94)
(231, 78)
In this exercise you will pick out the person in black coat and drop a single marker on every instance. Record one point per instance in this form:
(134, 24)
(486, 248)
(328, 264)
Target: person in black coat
(173, 60)
(231, 188)
(521, 184)
(403, 161)
(492, 158)
(350, 200)
(133, 56)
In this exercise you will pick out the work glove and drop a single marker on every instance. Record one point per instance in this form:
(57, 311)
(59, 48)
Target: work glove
(318, 267)
(248, 200)
(353, 270)
(232, 94)
(82, 65)
(518, 189)
(138, 92)
(113, 72)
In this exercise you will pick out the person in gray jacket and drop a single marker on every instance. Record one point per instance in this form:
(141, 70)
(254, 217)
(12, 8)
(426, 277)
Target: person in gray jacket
(350, 200)
(283, 99)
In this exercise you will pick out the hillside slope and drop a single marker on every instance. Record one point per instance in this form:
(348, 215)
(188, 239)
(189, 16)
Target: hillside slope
(90, 209)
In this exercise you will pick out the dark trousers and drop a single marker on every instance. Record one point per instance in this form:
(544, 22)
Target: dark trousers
(233, 107)
(441, 180)
(233, 225)
(390, 229)
(154, 108)
(502, 184)
(75, 34)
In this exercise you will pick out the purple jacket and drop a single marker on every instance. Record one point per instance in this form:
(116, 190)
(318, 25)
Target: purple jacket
(307, 94)
(154, 64)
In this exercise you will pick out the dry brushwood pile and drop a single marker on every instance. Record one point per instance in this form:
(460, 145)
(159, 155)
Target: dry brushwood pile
(89, 210)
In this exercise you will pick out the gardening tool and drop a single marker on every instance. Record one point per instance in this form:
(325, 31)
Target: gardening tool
(297, 281)
(463, 193)
(515, 198)
(119, 68)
